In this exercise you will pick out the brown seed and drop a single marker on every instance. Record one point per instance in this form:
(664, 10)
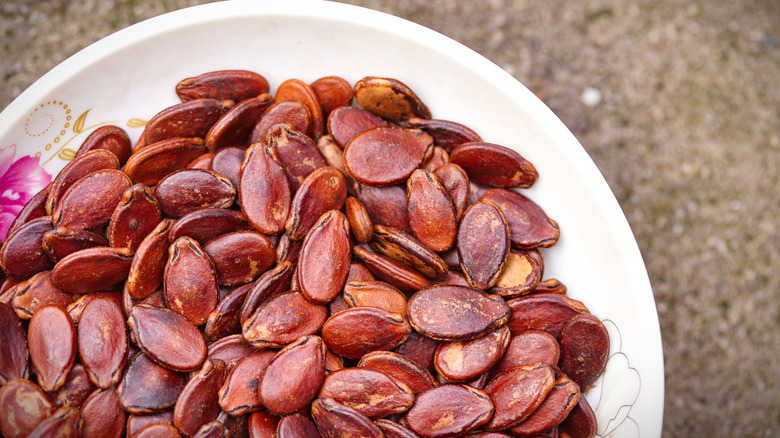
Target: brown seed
(456, 183)
(38, 291)
(190, 281)
(13, 347)
(517, 392)
(236, 125)
(336, 420)
(581, 421)
(385, 205)
(333, 363)
(404, 248)
(456, 313)
(33, 209)
(296, 426)
(230, 349)
(454, 278)
(520, 276)
(188, 190)
(147, 387)
(296, 152)
(359, 220)
(167, 338)
(102, 341)
(22, 254)
(148, 265)
(282, 111)
(155, 161)
(225, 319)
(262, 425)
(529, 226)
(235, 85)
(483, 244)
(137, 214)
(76, 389)
(294, 376)
(494, 165)
(240, 257)
(347, 121)
(296, 89)
(325, 257)
(399, 368)
(391, 429)
(389, 98)
(136, 422)
(438, 158)
(322, 190)
(238, 395)
(198, 402)
(193, 118)
(102, 415)
(446, 134)
(431, 213)
(201, 162)
(449, 411)
(554, 409)
(368, 391)
(227, 162)
(551, 285)
(333, 154)
(375, 294)
(332, 92)
(467, 360)
(61, 242)
(264, 191)
(543, 311)
(234, 426)
(420, 349)
(25, 405)
(158, 430)
(111, 138)
(584, 349)
(62, 423)
(208, 223)
(357, 331)
(386, 155)
(283, 319)
(271, 283)
(51, 337)
(80, 167)
(90, 201)
(92, 269)
(529, 347)
(391, 271)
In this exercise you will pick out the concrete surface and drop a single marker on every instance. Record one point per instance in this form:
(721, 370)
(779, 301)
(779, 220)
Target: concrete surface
(678, 104)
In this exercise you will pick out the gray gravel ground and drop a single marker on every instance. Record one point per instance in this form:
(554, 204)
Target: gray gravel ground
(676, 101)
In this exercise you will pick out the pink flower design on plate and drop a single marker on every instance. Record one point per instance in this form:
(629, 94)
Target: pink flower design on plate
(20, 180)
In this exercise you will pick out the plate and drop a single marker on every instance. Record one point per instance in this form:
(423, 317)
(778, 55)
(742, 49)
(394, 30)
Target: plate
(129, 76)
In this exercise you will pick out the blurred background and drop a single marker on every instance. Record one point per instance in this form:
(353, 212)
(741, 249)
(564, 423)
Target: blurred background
(677, 102)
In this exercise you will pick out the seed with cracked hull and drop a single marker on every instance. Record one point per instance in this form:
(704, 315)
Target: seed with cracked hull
(483, 244)
(584, 349)
(193, 118)
(240, 257)
(92, 269)
(325, 256)
(167, 338)
(520, 275)
(294, 376)
(347, 121)
(147, 387)
(529, 347)
(25, 405)
(375, 294)
(517, 392)
(389, 98)
(554, 409)
(322, 190)
(296, 89)
(102, 340)
(283, 319)
(548, 312)
(102, 415)
(14, 354)
(336, 420)
(110, 138)
(332, 92)
(152, 163)
(295, 151)
(235, 85)
(235, 126)
(188, 190)
(238, 395)
(285, 111)
(198, 402)
(264, 191)
(399, 368)
(190, 281)
(494, 165)
(385, 156)
(357, 331)
(449, 411)
(22, 254)
(467, 360)
(456, 313)
(51, 338)
(529, 225)
(370, 392)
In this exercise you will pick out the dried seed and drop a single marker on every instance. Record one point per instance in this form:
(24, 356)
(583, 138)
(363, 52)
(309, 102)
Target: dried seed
(551, 285)
(346, 333)
(438, 158)
(296, 152)
(404, 248)
(76, 389)
(446, 134)
(148, 265)
(584, 349)
(240, 257)
(391, 271)
(188, 190)
(554, 409)
(192, 118)
(517, 392)
(332, 92)
(167, 338)
(158, 430)
(271, 283)
(322, 190)
(347, 121)
(431, 213)
(333, 155)
(456, 183)
(449, 411)
(385, 205)
(238, 394)
(90, 201)
(230, 349)
(33, 209)
(51, 338)
(226, 317)
(581, 421)
(38, 291)
(283, 319)
(190, 281)
(467, 360)
(359, 220)
(399, 368)
(389, 98)
(483, 244)
(282, 111)
(456, 313)
(62, 423)
(102, 341)
(494, 165)
(136, 422)
(111, 138)
(420, 349)
(527, 348)
(325, 257)
(102, 415)
(263, 425)
(368, 391)
(295, 426)
(264, 191)
(25, 405)
(529, 226)
(22, 254)
(61, 242)
(391, 429)
(386, 155)
(80, 167)
(236, 125)
(152, 163)
(520, 276)
(543, 311)
(208, 223)
(13, 347)
(137, 215)
(147, 387)
(198, 402)
(235, 85)
(336, 420)
(227, 162)
(375, 294)
(296, 89)
(294, 376)
(92, 269)
(201, 162)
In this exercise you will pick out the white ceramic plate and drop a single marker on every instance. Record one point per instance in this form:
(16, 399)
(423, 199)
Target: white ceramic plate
(127, 77)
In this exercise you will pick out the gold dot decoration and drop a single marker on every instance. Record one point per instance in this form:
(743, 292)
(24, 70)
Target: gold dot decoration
(45, 117)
